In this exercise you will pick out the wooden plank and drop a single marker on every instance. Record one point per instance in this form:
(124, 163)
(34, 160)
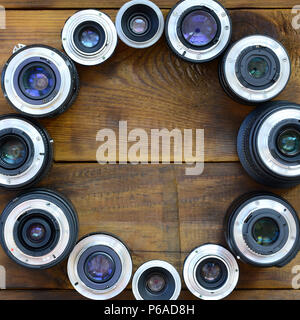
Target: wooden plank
(127, 295)
(151, 88)
(52, 4)
(203, 201)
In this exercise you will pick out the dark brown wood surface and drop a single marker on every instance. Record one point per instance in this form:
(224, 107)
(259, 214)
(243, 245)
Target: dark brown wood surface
(156, 209)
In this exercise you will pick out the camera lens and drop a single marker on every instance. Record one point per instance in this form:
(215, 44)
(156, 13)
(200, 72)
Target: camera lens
(25, 152)
(263, 229)
(40, 81)
(139, 23)
(268, 144)
(99, 266)
(210, 272)
(255, 69)
(38, 229)
(198, 33)
(89, 37)
(156, 280)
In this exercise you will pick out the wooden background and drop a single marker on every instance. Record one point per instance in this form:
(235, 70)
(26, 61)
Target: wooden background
(156, 209)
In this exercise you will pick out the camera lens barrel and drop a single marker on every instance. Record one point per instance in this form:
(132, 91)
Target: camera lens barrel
(255, 69)
(156, 280)
(40, 81)
(198, 32)
(139, 23)
(26, 152)
(268, 144)
(210, 272)
(100, 266)
(38, 229)
(262, 229)
(89, 37)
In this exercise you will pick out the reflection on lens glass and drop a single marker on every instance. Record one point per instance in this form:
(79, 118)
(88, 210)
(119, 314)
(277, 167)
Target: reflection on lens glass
(199, 28)
(13, 151)
(258, 67)
(138, 25)
(38, 81)
(36, 232)
(289, 142)
(265, 231)
(89, 37)
(211, 271)
(156, 283)
(100, 267)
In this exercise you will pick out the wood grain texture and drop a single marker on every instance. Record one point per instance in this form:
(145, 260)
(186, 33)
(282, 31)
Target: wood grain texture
(151, 88)
(54, 4)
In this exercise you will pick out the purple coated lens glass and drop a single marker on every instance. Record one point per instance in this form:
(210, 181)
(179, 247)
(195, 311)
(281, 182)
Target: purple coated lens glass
(199, 28)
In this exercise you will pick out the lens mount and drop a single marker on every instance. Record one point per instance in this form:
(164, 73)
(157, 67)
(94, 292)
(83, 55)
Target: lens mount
(259, 145)
(263, 229)
(40, 81)
(148, 19)
(89, 37)
(113, 259)
(255, 69)
(165, 277)
(36, 152)
(40, 208)
(210, 256)
(210, 45)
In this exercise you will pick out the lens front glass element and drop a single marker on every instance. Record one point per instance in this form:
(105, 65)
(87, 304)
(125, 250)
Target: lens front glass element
(265, 231)
(199, 28)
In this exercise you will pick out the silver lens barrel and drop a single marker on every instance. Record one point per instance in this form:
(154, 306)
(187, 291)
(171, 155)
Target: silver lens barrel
(40, 81)
(89, 37)
(263, 229)
(139, 23)
(26, 152)
(198, 31)
(156, 280)
(99, 267)
(255, 69)
(210, 272)
(38, 229)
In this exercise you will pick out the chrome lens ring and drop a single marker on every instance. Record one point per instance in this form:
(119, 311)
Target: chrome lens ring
(136, 42)
(199, 255)
(63, 94)
(275, 207)
(156, 265)
(87, 243)
(41, 154)
(56, 207)
(230, 77)
(189, 53)
(262, 141)
(110, 35)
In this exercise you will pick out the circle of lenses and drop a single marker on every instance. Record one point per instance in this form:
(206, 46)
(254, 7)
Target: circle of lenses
(89, 37)
(13, 151)
(211, 271)
(100, 267)
(265, 232)
(38, 82)
(156, 283)
(199, 28)
(36, 232)
(258, 67)
(289, 142)
(139, 25)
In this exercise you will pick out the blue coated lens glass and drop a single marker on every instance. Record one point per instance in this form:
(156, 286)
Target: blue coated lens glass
(36, 232)
(13, 151)
(89, 37)
(100, 267)
(38, 81)
(199, 28)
